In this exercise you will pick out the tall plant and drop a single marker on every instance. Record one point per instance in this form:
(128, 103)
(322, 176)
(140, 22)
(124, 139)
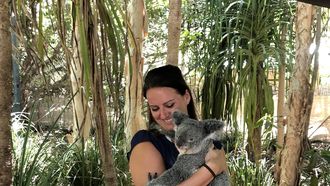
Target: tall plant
(253, 52)
(237, 52)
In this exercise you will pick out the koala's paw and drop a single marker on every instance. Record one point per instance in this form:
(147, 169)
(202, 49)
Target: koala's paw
(152, 176)
(152, 180)
(154, 183)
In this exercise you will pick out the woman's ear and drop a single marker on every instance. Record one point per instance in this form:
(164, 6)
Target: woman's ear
(187, 97)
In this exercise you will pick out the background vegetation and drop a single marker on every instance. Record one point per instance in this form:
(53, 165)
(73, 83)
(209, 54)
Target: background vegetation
(230, 52)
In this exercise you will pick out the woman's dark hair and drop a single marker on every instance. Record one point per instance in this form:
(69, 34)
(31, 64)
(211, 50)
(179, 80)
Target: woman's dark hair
(168, 76)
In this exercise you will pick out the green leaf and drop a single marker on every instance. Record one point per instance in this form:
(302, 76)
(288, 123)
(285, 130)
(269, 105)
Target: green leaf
(326, 155)
(314, 181)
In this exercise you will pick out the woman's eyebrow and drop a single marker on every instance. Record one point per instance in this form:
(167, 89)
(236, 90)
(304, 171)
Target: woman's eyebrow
(151, 105)
(168, 101)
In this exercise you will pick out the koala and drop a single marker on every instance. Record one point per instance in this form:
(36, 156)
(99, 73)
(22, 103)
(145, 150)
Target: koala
(193, 139)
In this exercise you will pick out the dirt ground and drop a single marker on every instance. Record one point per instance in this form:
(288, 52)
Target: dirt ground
(320, 112)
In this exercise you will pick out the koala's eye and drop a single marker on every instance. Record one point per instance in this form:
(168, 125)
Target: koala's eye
(191, 139)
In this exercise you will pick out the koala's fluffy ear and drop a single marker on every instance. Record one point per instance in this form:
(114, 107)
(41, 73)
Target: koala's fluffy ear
(178, 117)
(212, 125)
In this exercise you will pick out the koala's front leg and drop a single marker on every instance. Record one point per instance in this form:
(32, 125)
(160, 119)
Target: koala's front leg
(171, 177)
(221, 179)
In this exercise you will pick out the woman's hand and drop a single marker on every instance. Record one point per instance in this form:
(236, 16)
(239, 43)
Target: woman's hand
(216, 160)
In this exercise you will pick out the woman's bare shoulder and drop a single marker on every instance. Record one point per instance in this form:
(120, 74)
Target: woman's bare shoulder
(145, 159)
(146, 151)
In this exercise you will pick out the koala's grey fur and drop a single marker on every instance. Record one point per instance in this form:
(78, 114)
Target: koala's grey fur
(193, 139)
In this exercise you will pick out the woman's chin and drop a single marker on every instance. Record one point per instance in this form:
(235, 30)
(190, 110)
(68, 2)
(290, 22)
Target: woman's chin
(166, 126)
(169, 128)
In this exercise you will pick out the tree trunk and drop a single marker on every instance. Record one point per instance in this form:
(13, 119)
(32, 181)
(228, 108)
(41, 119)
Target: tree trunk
(318, 33)
(315, 73)
(174, 29)
(81, 111)
(86, 40)
(17, 101)
(254, 145)
(280, 105)
(254, 133)
(134, 68)
(103, 136)
(298, 100)
(100, 116)
(5, 95)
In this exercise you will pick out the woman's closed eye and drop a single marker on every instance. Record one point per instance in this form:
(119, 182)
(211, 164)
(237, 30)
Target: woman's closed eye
(154, 108)
(169, 105)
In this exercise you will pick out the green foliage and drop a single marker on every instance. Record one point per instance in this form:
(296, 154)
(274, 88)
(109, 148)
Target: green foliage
(45, 50)
(232, 142)
(156, 42)
(59, 163)
(27, 159)
(119, 143)
(246, 173)
(229, 43)
(242, 171)
(46, 159)
(236, 47)
(84, 166)
(32, 154)
(316, 165)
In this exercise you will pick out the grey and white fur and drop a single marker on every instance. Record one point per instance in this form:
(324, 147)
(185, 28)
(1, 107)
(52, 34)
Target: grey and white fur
(193, 139)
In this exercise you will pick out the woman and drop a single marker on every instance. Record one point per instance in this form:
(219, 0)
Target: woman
(153, 152)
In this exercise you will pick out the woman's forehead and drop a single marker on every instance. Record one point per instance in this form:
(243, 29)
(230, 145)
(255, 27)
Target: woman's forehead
(161, 95)
(161, 91)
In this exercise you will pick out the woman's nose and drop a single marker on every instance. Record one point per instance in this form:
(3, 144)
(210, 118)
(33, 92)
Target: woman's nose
(163, 113)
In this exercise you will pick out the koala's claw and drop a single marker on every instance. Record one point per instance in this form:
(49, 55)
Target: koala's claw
(217, 144)
(152, 176)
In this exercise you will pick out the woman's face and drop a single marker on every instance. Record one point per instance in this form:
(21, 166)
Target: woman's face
(163, 101)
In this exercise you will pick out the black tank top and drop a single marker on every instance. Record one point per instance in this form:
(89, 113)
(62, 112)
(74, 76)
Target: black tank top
(166, 148)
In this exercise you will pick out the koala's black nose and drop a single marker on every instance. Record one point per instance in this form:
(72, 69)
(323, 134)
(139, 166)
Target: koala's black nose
(179, 143)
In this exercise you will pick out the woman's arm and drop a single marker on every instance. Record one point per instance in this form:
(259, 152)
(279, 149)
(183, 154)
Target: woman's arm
(216, 160)
(145, 159)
